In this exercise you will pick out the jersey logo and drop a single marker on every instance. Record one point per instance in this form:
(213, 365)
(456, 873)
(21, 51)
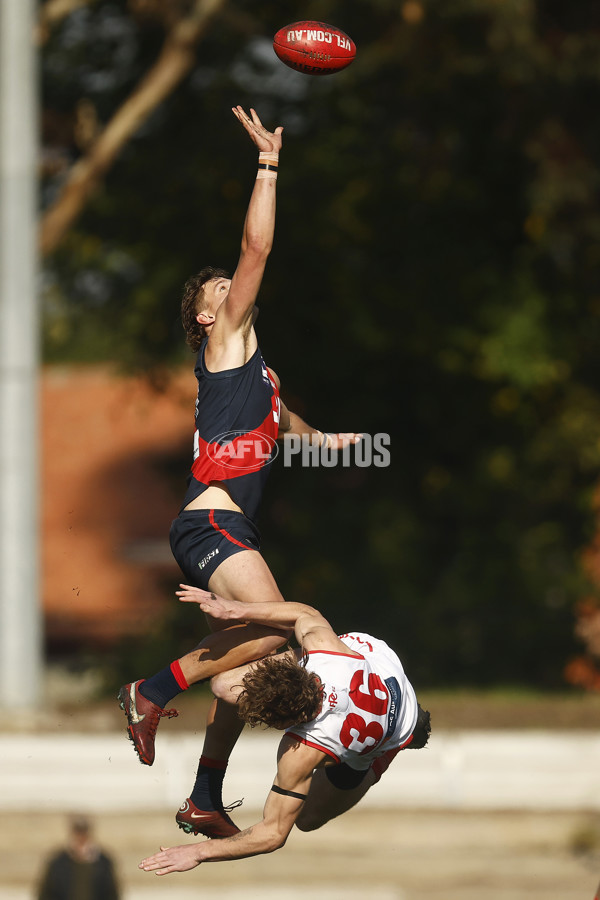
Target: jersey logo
(232, 454)
(134, 716)
(245, 450)
(265, 373)
(395, 703)
(208, 558)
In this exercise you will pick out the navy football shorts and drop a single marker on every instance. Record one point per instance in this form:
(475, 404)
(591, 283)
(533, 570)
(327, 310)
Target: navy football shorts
(343, 777)
(202, 538)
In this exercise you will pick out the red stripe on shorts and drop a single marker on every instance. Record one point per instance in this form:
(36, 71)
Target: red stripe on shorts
(211, 519)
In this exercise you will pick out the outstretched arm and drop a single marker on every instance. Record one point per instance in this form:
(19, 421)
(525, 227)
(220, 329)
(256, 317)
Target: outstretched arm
(313, 631)
(295, 767)
(292, 426)
(257, 236)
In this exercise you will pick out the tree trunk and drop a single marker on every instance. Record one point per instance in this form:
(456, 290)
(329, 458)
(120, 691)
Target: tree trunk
(175, 61)
(53, 12)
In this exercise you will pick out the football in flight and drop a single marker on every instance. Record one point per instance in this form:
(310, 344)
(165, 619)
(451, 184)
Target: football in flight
(314, 48)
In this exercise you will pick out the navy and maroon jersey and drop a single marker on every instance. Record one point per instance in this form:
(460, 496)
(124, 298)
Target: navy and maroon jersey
(237, 420)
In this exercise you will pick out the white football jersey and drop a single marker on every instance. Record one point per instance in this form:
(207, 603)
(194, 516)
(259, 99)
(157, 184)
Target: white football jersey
(369, 705)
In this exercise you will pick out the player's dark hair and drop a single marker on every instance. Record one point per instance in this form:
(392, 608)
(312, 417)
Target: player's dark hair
(279, 692)
(422, 730)
(193, 302)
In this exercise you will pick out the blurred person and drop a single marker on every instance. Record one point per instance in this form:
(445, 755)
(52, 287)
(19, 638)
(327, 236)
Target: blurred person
(81, 871)
(215, 540)
(346, 707)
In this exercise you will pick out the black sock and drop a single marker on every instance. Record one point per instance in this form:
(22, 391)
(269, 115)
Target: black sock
(207, 792)
(161, 688)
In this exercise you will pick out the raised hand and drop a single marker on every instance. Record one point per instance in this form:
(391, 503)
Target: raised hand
(264, 140)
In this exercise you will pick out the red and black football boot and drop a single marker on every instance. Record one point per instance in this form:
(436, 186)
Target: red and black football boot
(212, 824)
(143, 717)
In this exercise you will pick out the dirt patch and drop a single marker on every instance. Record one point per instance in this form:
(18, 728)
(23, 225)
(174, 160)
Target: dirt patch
(388, 855)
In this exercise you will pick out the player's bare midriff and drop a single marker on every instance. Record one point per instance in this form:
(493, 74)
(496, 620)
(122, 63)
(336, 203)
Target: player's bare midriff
(214, 497)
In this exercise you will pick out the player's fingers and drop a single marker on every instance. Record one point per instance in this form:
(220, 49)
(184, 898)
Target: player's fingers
(279, 129)
(188, 589)
(255, 118)
(202, 602)
(149, 864)
(351, 436)
(242, 117)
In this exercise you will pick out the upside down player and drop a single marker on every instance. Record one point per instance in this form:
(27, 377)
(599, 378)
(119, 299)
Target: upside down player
(215, 539)
(347, 709)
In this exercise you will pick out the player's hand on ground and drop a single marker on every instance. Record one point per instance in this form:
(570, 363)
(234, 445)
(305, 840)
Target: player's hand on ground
(264, 140)
(172, 859)
(341, 440)
(210, 603)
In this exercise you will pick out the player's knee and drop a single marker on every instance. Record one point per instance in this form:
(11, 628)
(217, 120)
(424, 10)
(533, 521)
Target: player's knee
(221, 687)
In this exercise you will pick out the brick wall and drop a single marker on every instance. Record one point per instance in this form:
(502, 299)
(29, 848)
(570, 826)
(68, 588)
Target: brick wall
(114, 458)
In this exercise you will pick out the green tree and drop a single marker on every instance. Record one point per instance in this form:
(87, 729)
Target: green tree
(435, 278)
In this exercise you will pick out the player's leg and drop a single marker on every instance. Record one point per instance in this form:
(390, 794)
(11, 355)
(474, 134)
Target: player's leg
(327, 800)
(144, 702)
(226, 544)
(234, 571)
(227, 559)
(246, 577)
(243, 576)
(203, 811)
(336, 789)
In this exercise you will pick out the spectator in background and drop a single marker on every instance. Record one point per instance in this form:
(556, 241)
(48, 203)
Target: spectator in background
(81, 871)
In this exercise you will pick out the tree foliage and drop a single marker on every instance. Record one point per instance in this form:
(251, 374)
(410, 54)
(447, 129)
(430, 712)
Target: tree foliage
(434, 277)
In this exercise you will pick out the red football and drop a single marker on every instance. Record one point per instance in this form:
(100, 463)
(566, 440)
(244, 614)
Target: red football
(314, 48)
